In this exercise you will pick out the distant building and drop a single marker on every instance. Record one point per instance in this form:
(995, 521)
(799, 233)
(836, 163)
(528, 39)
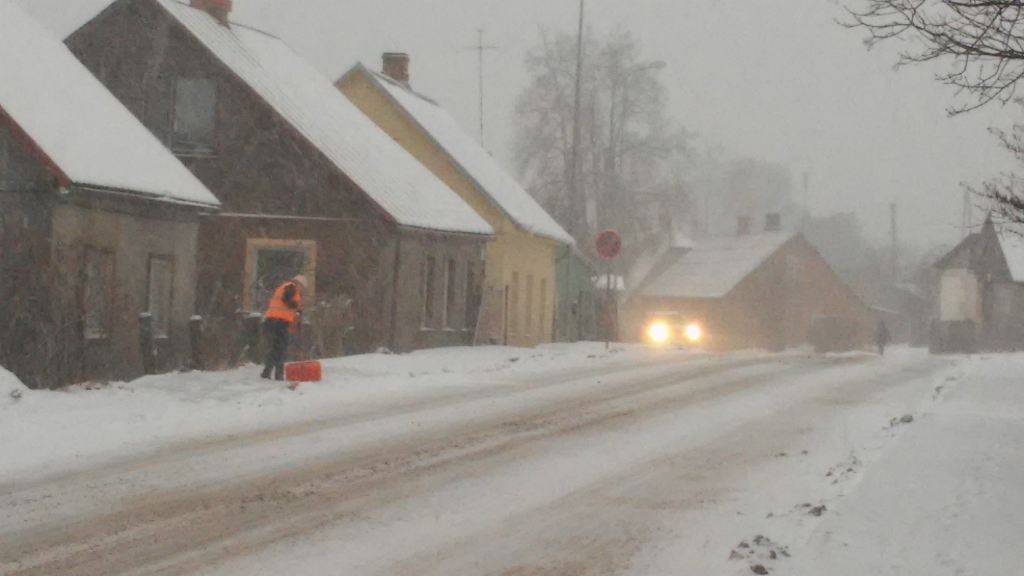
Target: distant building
(520, 273)
(768, 290)
(309, 183)
(98, 223)
(981, 295)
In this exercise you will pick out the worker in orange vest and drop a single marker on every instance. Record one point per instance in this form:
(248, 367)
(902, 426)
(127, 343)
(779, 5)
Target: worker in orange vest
(282, 317)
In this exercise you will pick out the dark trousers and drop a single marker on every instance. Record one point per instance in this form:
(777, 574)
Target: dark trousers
(277, 338)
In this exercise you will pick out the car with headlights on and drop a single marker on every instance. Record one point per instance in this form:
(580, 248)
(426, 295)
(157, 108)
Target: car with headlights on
(672, 329)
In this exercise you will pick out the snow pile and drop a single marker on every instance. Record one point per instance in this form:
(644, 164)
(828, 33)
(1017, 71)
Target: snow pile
(11, 389)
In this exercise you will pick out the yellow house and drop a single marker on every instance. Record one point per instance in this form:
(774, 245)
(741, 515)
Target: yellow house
(519, 303)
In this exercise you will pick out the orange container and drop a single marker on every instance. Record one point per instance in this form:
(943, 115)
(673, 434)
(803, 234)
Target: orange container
(303, 372)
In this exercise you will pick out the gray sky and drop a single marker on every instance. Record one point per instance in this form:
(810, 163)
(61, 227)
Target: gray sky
(775, 80)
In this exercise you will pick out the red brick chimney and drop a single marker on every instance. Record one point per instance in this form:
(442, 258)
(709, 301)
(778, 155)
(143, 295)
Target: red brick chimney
(396, 66)
(219, 9)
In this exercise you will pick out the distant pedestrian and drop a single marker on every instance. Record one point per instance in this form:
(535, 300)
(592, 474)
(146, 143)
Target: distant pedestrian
(882, 336)
(282, 318)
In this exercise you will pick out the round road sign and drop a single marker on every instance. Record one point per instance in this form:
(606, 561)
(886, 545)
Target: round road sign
(609, 244)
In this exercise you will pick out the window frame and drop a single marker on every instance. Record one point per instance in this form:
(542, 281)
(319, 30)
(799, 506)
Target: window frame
(252, 249)
(451, 294)
(107, 294)
(429, 292)
(165, 332)
(176, 143)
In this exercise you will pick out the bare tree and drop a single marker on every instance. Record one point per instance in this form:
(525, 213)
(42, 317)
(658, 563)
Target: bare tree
(1005, 193)
(982, 39)
(632, 156)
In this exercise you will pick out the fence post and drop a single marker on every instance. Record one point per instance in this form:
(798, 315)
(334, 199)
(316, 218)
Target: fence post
(195, 338)
(146, 349)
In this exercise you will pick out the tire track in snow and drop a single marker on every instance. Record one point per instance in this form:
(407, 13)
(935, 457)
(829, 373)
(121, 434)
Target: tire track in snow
(241, 517)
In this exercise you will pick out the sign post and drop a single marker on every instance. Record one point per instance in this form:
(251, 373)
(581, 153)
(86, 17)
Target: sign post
(609, 245)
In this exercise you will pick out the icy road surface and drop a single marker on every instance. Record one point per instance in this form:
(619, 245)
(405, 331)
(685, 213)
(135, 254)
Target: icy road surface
(668, 464)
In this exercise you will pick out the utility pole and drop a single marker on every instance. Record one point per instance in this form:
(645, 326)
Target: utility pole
(895, 246)
(480, 48)
(967, 221)
(578, 208)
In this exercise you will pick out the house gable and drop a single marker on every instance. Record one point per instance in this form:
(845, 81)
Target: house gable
(359, 87)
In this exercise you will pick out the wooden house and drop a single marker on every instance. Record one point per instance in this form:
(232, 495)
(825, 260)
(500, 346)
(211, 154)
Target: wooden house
(520, 266)
(981, 294)
(308, 183)
(765, 290)
(98, 223)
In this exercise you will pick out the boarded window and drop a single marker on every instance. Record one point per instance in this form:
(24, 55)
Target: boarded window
(543, 305)
(98, 288)
(451, 293)
(272, 262)
(512, 310)
(429, 290)
(195, 115)
(161, 289)
(529, 306)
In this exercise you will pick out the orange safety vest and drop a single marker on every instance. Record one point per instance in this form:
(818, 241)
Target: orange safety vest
(278, 310)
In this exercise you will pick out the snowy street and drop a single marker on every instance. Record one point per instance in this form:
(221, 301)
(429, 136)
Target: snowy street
(565, 460)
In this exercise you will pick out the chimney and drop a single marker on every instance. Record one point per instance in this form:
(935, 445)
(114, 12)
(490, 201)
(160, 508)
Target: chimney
(773, 222)
(219, 9)
(396, 66)
(742, 225)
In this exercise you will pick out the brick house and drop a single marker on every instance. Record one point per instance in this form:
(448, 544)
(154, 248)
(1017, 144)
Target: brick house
(98, 223)
(768, 290)
(308, 183)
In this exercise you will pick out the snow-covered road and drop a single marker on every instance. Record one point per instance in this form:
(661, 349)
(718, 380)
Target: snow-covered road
(646, 464)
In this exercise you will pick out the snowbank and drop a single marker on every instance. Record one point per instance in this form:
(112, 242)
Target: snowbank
(11, 389)
(53, 432)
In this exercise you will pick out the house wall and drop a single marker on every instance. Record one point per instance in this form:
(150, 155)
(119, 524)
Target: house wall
(513, 254)
(261, 167)
(44, 233)
(132, 239)
(773, 308)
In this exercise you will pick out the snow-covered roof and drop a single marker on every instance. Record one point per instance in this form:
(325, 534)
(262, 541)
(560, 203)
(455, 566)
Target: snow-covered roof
(78, 124)
(716, 265)
(1013, 250)
(400, 185)
(491, 179)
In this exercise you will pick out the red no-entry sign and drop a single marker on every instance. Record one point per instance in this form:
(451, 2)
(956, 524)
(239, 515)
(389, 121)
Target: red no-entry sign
(609, 244)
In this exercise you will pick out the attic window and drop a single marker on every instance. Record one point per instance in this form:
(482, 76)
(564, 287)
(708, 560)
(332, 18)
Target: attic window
(195, 115)
(182, 112)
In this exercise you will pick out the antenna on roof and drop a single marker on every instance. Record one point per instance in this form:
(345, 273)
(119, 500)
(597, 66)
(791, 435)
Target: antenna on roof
(480, 48)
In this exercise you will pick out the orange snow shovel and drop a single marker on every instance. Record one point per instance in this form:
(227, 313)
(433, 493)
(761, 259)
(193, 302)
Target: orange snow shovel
(305, 371)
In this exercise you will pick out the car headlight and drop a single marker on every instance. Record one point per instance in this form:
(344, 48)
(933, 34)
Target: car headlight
(658, 332)
(694, 332)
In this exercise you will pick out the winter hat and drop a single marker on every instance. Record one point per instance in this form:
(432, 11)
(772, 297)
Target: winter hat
(301, 281)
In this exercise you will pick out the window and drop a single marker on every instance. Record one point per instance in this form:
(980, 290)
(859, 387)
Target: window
(513, 306)
(161, 288)
(529, 306)
(195, 115)
(429, 290)
(544, 328)
(472, 298)
(182, 112)
(98, 288)
(269, 263)
(450, 293)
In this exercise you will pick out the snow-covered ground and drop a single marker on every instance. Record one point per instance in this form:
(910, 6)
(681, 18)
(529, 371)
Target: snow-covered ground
(562, 460)
(44, 432)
